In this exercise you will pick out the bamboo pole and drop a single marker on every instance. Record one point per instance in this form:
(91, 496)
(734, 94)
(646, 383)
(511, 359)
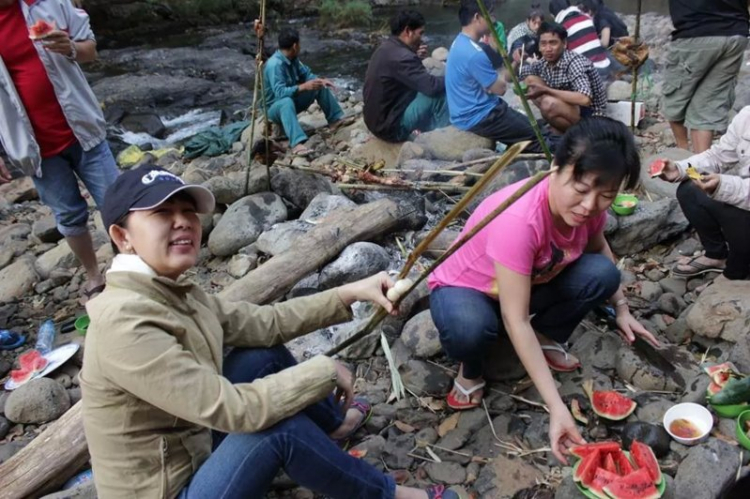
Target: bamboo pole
(259, 86)
(634, 88)
(381, 313)
(436, 186)
(516, 84)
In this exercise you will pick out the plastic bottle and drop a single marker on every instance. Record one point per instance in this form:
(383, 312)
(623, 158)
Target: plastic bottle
(79, 479)
(46, 337)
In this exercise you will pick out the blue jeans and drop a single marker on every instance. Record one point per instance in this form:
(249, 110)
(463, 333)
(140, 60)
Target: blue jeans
(245, 464)
(58, 185)
(284, 111)
(469, 321)
(424, 114)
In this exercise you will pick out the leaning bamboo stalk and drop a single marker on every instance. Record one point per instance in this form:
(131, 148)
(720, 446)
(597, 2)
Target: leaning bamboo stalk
(516, 84)
(413, 187)
(634, 89)
(381, 313)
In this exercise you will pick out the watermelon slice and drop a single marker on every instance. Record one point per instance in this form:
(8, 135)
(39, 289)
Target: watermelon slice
(609, 404)
(609, 464)
(644, 457)
(41, 29)
(586, 469)
(637, 485)
(657, 168)
(602, 478)
(584, 450)
(623, 463)
(713, 389)
(21, 376)
(31, 363)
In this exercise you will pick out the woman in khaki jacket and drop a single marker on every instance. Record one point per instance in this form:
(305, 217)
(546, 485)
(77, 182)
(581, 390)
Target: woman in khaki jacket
(155, 381)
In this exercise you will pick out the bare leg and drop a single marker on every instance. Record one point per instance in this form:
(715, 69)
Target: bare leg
(680, 134)
(558, 358)
(351, 420)
(83, 249)
(560, 115)
(701, 140)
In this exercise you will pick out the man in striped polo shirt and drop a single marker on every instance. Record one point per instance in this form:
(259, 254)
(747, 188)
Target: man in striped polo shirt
(582, 36)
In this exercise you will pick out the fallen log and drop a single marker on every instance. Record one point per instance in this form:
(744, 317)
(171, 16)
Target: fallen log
(276, 277)
(48, 461)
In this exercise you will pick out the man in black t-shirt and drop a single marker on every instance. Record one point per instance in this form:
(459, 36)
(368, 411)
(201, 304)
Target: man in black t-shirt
(708, 43)
(608, 25)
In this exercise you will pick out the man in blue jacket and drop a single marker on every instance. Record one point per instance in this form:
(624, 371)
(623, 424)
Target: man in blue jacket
(291, 87)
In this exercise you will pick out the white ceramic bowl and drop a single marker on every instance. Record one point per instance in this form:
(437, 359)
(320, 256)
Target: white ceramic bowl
(696, 414)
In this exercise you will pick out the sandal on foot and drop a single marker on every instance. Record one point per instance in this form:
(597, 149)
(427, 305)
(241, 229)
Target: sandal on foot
(363, 407)
(302, 152)
(553, 365)
(440, 492)
(458, 405)
(696, 268)
(10, 340)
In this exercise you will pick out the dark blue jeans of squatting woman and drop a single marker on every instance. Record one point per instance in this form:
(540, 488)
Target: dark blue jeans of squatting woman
(243, 465)
(469, 321)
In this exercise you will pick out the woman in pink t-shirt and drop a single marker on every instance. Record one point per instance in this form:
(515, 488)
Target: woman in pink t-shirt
(546, 261)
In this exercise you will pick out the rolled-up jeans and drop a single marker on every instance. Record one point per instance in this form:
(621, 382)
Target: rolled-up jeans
(469, 321)
(245, 464)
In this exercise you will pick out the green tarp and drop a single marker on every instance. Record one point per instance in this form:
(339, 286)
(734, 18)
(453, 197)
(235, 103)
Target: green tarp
(215, 140)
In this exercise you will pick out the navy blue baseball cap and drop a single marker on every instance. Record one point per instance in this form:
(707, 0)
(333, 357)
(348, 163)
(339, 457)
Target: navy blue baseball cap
(145, 188)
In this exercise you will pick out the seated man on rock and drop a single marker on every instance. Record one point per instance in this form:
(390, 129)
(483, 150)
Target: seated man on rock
(564, 85)
(291, 87)
(718, 204)
(474, 87)
(400, 95)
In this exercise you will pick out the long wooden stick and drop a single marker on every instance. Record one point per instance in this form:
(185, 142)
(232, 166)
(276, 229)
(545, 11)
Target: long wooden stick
(516, 84)
(634, 89)
(381, 313)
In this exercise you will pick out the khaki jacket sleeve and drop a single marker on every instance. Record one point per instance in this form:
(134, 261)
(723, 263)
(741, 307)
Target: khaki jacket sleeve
(144, 359)
(248, 325)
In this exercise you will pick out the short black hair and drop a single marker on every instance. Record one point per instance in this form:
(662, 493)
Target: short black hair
(288, 37)
(602, 146)
(470, 8)
(591, 6)
(406, 19)
(556, 6)
(554, 28)
(535, 12)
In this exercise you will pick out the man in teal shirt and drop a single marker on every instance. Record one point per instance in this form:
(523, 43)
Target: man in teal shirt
(291, 87)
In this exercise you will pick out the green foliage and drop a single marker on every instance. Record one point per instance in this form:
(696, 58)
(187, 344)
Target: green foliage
(345, 13)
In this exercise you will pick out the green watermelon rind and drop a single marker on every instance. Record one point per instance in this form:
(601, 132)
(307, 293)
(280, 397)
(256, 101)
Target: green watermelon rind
(661, 486)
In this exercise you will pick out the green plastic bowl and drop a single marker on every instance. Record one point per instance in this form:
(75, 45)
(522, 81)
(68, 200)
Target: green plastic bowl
(742, 437)
(730, 411)
(625, 204)
(82, 324)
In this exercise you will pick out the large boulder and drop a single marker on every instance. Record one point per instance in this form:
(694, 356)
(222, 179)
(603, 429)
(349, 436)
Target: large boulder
(59, 257)
(244, 221)
(19, 190)
(511, 174)
(357, 261)
(421, 336)
(323, 204)
(300, 188)
(230, 188)
(375, 150)
(17, 279)
(722, 311)
(652, 223)
(282, 236)
(37, 401)
(707, 470)
(450, 143)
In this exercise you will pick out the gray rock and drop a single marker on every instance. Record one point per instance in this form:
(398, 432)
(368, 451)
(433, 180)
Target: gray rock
(695, 391)
(323, 205)
(596, 350)
(707, 470)
(410, 204)
(441, 243)
(45, 230)
(510, 174)
(17, 279)
(568, 488)
(84, 491)
(678, 332)
(653, 412)
(374, 446)
(671, 304)
(655, 275)
(722, 311)
(502, 363)
(421, 336)
(648, 290)
(145, 122)
(652, 223)
(634, 367)
(425, 379)
(5, 366)
(19, 190)
(300, 188)
(420, 169)
(409, 151)
(537, 432)
(653, 435)
(37, 401)
(619, 90)
(504, 477)
(305, 287)
(3, 399)
(448, 473)
(396, 452)
(239, 265)
(472, 420)
(673, 285)
(8, 450)
(357, 261)
(483, 441)
(450, 143)
(244, 221)
(230, 188)
(455, 439)
(4, 427)
(426, 436)
(740, 354)
(59, 257)
(393, 325)
(476, 154)
(281, 237)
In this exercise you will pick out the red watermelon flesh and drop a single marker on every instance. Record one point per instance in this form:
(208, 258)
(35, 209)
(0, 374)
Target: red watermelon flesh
(609, 464)
(713, 388)
(637, 485)
(40, 29)
(587, 468)
(21, 376)
(644, 457)
(657, 167)
(586, 449)
(33, 360)
(602, 478)
(623, 463)
(612, 405)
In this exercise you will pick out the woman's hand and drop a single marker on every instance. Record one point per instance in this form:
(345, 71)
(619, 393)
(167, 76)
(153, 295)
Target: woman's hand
(670, 173)
(344, 386)
(371, 289)
(563, 433)
(59, 42)
(628, 326)
(708, 183)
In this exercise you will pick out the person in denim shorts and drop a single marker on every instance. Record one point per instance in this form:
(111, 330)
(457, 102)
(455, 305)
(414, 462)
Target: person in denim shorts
(708, 44)
(51, 125)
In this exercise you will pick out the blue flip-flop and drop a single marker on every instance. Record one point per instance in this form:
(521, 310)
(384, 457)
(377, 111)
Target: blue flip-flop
(10, 340)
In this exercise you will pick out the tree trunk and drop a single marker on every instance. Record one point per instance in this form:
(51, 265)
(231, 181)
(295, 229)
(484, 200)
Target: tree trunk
(275, 278)
(48, 461)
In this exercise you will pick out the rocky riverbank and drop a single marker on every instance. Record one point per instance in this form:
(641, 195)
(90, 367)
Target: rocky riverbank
(492, 452)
